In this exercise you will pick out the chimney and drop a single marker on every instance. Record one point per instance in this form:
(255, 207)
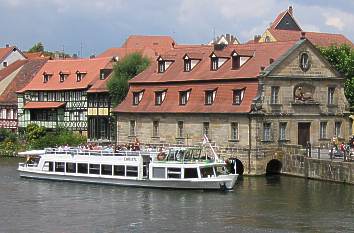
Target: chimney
(256, 38)
(290, 10)
(7, 46)
(303, 35)
(228, 37)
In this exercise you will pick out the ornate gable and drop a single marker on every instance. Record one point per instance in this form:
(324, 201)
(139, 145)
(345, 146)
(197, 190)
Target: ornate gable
(302, 60)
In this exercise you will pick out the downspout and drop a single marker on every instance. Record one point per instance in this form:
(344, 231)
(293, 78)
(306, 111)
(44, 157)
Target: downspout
(249, 142)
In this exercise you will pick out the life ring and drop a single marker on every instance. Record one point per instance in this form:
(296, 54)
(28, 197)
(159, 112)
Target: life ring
(161, 156)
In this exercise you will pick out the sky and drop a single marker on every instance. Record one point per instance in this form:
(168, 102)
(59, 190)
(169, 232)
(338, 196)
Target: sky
(92, 26)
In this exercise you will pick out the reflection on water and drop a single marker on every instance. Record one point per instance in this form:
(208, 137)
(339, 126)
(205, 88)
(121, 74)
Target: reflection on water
(257, 204)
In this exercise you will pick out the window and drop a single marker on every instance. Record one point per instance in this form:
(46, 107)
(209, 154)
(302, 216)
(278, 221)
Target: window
(183, 97)
(174, 173)
(159, 97)
(155, 128)
(106, 169)
(158, 172)
(214, 63)
(161, 66)
(119, 170)
(267, 39)
(209, 97)
(59, 166)
(337, 128)
(190, 173)
(187, 65)
(282, 131)
(79, 76)
(274, 95)
(43, 115)
(94, 169)
(236, 62)
(180, 131)
(206, 129)
(46, 77)
(71, 167)
(238, 96)
(323, 130)
(4, 64)
(267, 132)
(304, 62)
(331, 95)
(132, 171)
(135, 98)
(48, 166)
(234, 131)
(206, 172)
(62, 77)
(82, 168)
(132, 128)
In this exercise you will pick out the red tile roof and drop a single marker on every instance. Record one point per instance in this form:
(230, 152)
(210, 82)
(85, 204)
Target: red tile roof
(122, 52)
(43, 105)
(196, 103)
(11, 68)
(175, 73)
(277, 20)
(31, 55)
(99, 85)
(91, 66)
(5, 51)
(24, 76)
(317, 38)
(157, 43)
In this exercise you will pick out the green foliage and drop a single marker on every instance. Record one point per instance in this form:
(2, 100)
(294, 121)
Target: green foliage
(342, 59)
(8, 142)
(123, 71)
(34, 132)
(60, 137)
(37, 48)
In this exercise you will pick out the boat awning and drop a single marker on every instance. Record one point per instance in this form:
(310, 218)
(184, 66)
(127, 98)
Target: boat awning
(43, 105)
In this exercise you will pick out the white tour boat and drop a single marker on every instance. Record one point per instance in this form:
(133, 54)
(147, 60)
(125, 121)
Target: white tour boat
(182, 168)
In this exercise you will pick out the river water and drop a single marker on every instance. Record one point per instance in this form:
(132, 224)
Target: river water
(257, 204)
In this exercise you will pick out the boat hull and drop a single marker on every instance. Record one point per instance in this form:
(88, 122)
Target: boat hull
(221, 182)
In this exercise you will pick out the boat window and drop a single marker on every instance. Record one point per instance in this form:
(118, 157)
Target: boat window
(106, 169)
(158, 172)
(132, 171)
(206, 172)
(119, 170)
(48, 166)
(82, 168)
(221, 170)
(94, 169)
(173, 172)
(71, 167)
(190, 173)
(59, 166)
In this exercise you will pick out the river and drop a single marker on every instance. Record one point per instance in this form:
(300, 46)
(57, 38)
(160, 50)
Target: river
(257, 204)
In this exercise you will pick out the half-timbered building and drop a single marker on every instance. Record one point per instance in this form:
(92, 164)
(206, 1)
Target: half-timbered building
(12, 78)
(57, 95)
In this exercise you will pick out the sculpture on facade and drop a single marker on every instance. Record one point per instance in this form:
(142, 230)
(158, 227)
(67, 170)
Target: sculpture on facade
(303, 93)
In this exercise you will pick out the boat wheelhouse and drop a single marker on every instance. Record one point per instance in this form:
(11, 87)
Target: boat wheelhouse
(182, 168)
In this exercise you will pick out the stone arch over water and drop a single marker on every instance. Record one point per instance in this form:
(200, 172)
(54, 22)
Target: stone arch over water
(274, 166)
(235, 162)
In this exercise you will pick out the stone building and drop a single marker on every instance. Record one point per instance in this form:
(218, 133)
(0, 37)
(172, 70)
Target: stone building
(247, 97)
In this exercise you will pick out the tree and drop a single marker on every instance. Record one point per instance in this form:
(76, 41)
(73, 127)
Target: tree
(123, 71)
(37, 48)
(342, 59)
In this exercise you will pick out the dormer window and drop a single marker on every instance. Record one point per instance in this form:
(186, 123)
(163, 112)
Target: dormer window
(46, 77)
(62, 76)
(184, 97)
(187, 64)
(236, 61)
(214, 63)
(159, 97)
(210, 97)
(161, 66)
(137, 97)
(4, 64)
(238, 95)
(80, 75)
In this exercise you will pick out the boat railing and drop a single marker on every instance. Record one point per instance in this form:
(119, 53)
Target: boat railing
(73, 152)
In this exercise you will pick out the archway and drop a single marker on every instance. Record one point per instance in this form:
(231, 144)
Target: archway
(235, 163)
(273, 167)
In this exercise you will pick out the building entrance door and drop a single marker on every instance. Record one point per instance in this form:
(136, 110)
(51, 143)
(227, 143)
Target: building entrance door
(303, 133)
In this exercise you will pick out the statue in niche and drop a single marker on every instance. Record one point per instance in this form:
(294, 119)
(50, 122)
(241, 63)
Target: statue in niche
(303, 93)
